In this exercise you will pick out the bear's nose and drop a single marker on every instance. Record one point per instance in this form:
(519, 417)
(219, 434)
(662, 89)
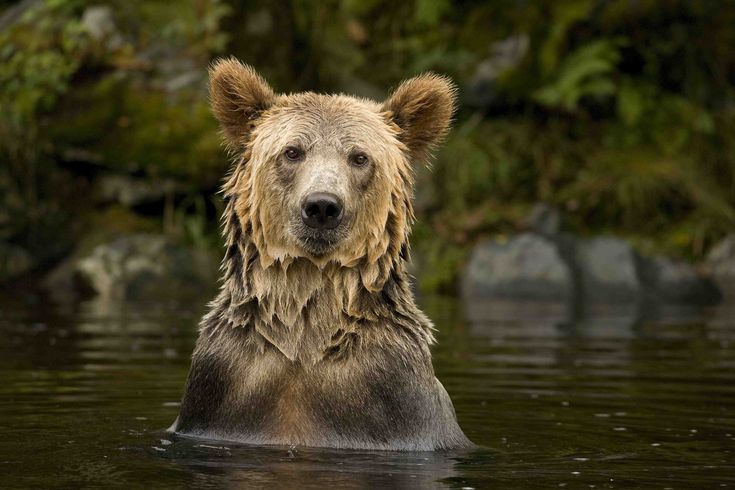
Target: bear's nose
(322, 211)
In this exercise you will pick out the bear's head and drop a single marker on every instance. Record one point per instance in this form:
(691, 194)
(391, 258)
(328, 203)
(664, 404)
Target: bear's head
(326, 178)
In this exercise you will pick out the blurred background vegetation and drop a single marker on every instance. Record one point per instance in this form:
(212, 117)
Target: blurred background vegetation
(621, 113)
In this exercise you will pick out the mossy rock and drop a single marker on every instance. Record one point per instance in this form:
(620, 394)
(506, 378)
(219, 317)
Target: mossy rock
(146, 266)
(133, 128)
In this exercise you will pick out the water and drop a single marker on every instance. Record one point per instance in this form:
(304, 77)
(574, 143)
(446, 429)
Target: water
(616, 400)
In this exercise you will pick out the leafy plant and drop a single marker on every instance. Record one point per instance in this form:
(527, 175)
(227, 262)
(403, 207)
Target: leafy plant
(585, 73)
(39, 54)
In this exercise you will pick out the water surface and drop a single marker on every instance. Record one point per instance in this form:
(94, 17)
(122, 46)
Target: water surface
(612, 399)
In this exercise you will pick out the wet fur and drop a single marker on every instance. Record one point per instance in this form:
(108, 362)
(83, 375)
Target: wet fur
(316, 350)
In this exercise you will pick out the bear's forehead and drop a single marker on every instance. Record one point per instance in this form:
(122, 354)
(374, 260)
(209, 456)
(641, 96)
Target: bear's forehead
(311, 119)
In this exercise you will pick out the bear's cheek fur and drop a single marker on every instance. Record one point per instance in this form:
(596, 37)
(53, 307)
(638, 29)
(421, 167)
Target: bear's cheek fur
(368, 237)
(273, 209)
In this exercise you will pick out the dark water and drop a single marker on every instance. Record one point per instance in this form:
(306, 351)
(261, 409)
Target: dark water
(613, 400)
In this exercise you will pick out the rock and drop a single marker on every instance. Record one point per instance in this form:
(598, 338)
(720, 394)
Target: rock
(721, 265)
(173, 71)
(99, 22)
(543, 219)
(131, 191)
(608, 271)
(601, 271)
(503, 56)
(192, 78)
(527, 266)
(674, 281)
(145, 266)
(14, 262)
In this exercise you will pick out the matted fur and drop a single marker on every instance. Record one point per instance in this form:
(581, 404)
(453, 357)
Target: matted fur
(296, 344)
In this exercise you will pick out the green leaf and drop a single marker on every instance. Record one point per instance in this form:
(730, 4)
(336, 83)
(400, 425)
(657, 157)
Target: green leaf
(586, 72)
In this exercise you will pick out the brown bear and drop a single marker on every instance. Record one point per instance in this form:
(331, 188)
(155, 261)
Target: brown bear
(314, 338)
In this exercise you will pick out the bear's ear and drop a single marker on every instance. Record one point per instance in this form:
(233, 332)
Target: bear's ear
(238, 95)
(422, 108)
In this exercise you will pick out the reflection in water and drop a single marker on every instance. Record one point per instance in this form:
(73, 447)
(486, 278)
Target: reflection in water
(248, 467)
(604, 397)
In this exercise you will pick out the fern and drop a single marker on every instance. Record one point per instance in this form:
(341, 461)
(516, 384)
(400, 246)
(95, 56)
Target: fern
(586, 72)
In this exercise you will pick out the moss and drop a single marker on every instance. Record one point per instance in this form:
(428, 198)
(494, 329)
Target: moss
(141, 130)
(87, 113)
(164, 138)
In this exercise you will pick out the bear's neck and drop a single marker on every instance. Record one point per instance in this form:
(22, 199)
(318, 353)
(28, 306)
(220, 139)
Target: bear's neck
(301, 308)
(298, 308)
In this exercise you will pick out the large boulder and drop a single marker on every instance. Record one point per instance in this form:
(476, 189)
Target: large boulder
(677, 282)
(721, 265)
(145, 266)
(608, 270)
(527, 266)
(605, 271)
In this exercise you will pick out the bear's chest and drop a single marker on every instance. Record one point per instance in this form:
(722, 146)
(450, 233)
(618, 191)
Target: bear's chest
(278, 400)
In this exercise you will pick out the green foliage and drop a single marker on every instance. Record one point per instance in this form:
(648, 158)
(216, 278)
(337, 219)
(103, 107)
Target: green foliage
(435, 261)
(143, 131)
(39, 54)
(429, 12)
(65, 93)
(585, 73)
(553, 44)
(620, 113)
(195, 26)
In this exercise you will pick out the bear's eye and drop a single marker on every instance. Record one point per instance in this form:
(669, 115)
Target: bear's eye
(359, 159)
(293, 154)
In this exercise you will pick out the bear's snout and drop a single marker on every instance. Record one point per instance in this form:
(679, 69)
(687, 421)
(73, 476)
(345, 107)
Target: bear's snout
(322, 211)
